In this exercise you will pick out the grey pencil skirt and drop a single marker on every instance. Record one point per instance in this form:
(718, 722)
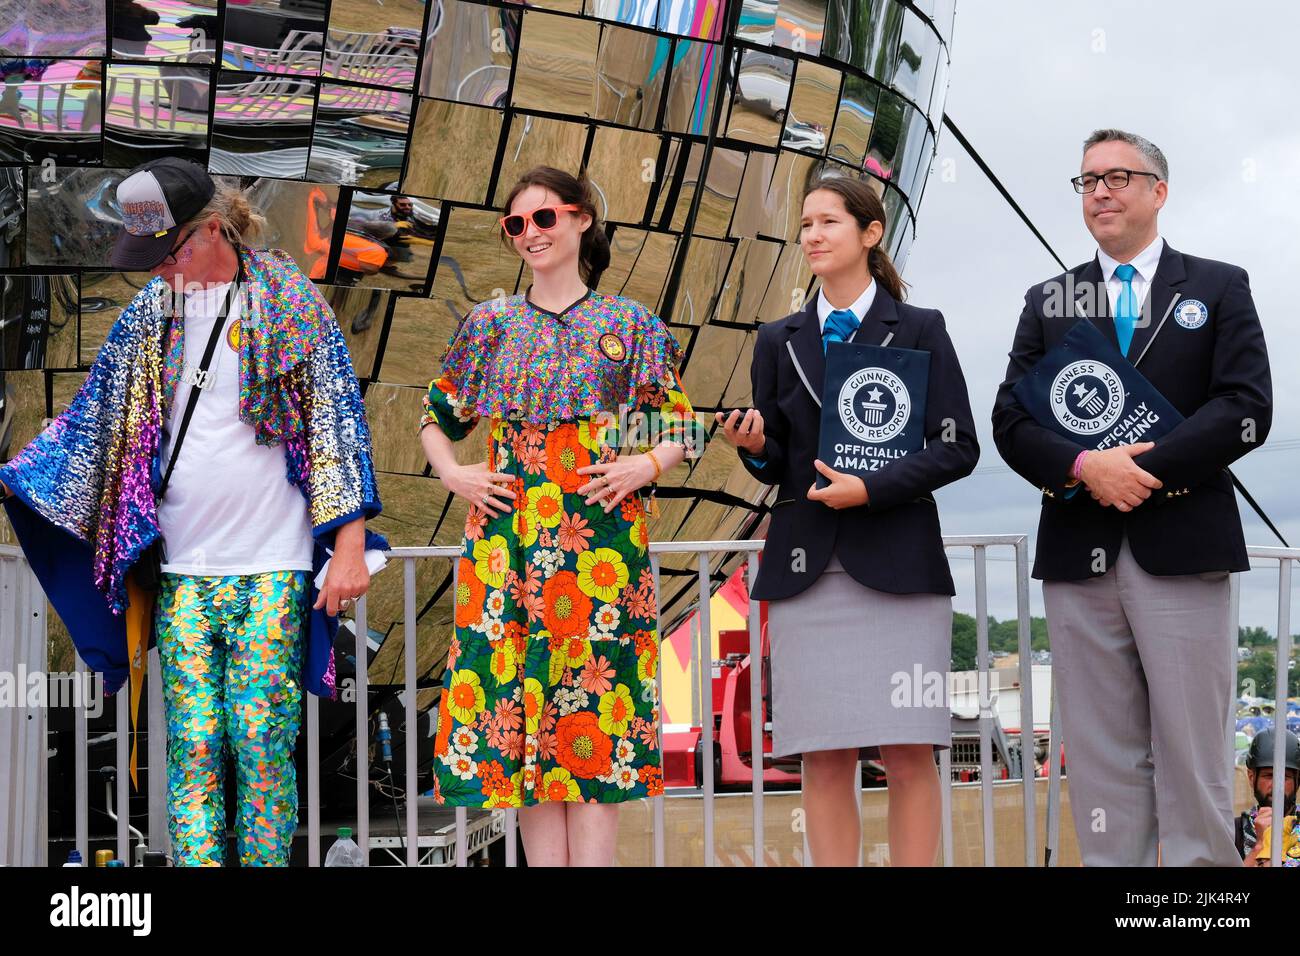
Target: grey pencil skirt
(856, 667)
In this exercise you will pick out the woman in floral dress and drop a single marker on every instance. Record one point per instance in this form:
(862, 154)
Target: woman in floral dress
(549, 701)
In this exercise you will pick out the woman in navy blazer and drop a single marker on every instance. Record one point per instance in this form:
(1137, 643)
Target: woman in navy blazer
(858, 585)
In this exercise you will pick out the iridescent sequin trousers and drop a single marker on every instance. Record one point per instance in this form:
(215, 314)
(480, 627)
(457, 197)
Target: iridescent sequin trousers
(230, 650)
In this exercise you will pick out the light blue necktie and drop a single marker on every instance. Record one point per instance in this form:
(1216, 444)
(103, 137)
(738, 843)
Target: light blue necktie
(1126, 308)
(840, 324)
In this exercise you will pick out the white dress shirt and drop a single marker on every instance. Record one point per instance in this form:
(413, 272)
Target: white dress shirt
(1144, 262)
(824, 308)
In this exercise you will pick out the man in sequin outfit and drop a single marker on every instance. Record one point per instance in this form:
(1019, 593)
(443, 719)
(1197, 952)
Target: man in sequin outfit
(275, 467)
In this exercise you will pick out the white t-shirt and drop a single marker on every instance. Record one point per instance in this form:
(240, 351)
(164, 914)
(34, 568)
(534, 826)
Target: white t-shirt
(229, 507)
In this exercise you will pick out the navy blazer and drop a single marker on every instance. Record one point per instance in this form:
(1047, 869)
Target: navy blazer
(1213, 370)
(893, 543)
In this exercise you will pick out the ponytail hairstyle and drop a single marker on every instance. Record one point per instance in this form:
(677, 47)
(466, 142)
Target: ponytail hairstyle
(865, 206)
(593, 249)
(241, 223)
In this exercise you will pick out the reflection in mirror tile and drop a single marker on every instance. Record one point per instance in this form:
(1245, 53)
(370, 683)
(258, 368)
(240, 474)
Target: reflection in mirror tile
(468, 51)
(865, 34)
(747, 280)
(268, 36)
(45, 28)
(390, 410)
(697, 71)
(854, 119)
(536, 140)
(935, 111)
(152, 111)
(701, 19)
(785, 196)
(556, 68)
(299, 220)
(361, 315)
(261, 125)
(374, 41)
(360, 136)
(38, 322)
(721, 188)
(474, 263)
(621, 170)
(916, 138)
(103, 297)
(50, 109)
(800, 25)
(751, 202)
(444, 130)
(812, 107)
(13, 243)
(886, 136)
(389, 242)
(72, 216)
(637, 13)
(759, 106)
(701, 283)
(790, 280)
(918, 58)
(179, 31)
(630, 75)
(638, 264)
(419, 333)
(757, 21)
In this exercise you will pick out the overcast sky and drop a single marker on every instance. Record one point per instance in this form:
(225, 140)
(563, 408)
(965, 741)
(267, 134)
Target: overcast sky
(1214, 86)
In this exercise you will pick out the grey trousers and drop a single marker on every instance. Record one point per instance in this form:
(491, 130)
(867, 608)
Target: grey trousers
(1141, 668)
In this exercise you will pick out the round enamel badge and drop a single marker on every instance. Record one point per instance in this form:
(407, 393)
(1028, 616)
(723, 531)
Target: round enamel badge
(232, 337)
(613, 347)
(1191, 313)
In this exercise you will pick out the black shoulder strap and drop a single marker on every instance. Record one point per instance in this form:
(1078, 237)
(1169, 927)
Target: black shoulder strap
(218, 327)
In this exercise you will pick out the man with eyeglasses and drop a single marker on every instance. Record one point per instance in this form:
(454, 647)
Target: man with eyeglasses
(1136, 542)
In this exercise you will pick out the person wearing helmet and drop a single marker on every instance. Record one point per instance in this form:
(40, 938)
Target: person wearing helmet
(1253, 824)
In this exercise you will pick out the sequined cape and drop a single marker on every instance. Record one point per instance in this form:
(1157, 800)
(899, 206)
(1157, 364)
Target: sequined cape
(83, 504)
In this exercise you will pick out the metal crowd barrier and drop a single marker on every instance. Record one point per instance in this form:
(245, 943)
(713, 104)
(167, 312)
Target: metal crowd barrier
(22, 745)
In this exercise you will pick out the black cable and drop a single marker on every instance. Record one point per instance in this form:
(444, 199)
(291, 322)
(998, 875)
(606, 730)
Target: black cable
(984, 168)
(997, 184)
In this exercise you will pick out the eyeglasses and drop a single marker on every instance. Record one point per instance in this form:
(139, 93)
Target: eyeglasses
(170, 258)
(1113, 178)
(544, 218)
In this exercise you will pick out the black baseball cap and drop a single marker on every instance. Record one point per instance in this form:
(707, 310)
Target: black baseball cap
(156, 199)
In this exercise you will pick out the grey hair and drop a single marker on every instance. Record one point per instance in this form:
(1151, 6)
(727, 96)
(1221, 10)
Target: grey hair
(1155, 159)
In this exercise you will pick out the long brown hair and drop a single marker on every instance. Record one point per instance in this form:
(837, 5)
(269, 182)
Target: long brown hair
(593, 250)
(865, 207)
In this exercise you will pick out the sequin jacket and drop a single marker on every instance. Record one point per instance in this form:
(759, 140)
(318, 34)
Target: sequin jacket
(93, 472)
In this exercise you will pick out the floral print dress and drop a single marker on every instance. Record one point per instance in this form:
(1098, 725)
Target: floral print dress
(550, 689)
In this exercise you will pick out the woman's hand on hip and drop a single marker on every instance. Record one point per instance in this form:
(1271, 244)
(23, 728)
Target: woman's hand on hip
(844, 491)
(745, 431)
(481, 488)
(615, 480)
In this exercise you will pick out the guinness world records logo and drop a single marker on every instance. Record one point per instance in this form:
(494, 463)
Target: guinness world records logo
(874, 405)
(1087, 397)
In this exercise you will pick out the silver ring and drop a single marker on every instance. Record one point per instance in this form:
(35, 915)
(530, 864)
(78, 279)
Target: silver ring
(345, 603)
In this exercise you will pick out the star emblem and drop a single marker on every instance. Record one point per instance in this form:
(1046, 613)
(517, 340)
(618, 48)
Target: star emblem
(874, 394)
(1080, 391)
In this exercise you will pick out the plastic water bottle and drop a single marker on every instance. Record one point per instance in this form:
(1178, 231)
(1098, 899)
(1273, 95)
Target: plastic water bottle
(74, 859)
(345, 851)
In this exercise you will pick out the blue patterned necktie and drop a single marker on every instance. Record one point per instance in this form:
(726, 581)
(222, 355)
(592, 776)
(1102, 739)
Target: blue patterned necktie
(1126, 308)
(840, 324)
